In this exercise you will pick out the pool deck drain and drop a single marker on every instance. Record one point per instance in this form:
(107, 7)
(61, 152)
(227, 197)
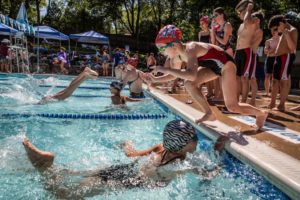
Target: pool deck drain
(279, 168)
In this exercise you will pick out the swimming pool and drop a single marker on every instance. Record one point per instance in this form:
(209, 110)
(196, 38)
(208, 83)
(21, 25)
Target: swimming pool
(93, 143)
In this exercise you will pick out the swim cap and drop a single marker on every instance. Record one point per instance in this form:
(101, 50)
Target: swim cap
(117, 85)
(177, 134)
(168, 34)
(204, 19)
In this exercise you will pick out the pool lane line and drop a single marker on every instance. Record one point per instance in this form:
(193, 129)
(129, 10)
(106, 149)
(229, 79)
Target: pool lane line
(87, 116)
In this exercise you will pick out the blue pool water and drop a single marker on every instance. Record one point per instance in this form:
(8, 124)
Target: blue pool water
(83, 144)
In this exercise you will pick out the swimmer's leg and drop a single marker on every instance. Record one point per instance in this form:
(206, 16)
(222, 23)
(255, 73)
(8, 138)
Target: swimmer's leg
(41, 160)
(67, 92)
(203, 75)
(229, 85)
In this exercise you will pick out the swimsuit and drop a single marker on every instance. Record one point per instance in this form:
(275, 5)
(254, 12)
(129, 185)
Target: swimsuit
(243, 60)
(127, 175)
(283, 65)
(205, 39)
(269, 65)
(215, 60)
(133, 94)
(221, 34)
(252, 71)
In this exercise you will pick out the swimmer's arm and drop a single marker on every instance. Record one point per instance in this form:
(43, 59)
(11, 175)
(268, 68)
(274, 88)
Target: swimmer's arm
(291, 38)
(227, 34)
(131, 99)
(162, 79)
(267, 48)
(248, 18)
(131, 152)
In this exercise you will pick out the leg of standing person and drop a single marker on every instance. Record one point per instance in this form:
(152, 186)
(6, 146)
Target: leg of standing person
(267, 84)
(86, 74)
(284, 92)
(253, 80)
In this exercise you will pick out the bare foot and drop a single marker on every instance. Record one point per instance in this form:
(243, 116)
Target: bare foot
(39, 159)
(90, 73)
(280, 108)
(206, 117)
(297, 108)
(260, 120)
(271, 106)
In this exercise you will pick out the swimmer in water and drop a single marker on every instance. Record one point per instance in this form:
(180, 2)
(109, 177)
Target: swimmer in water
(179, 138)
(116, 98)
(67, 92)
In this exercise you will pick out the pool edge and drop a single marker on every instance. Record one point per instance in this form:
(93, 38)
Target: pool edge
(281, 170)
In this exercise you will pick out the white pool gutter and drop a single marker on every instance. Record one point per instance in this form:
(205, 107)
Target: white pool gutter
(280, 169)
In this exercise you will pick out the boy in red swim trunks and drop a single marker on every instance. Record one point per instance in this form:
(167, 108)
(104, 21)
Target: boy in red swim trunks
(285, 57)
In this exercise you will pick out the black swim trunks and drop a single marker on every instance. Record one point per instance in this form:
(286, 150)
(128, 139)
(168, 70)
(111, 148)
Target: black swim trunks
(137, 95)
(269, 65)
(243, 61)
(283, 66)
(215, 60)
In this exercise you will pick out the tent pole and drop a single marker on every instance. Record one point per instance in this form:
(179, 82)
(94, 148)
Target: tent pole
(38, 50)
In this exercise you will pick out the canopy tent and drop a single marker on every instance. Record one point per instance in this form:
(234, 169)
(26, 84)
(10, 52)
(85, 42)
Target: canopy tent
(90, 37)
(23, 27)
(47, 32)
(6, 30)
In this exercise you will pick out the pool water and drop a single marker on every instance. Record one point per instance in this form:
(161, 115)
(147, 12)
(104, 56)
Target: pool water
(82, 144)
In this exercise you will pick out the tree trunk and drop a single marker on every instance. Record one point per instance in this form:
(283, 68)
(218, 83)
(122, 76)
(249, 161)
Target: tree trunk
(137, 25)
(37, 3)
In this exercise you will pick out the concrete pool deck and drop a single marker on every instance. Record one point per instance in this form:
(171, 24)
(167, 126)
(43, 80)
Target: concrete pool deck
(274, 155)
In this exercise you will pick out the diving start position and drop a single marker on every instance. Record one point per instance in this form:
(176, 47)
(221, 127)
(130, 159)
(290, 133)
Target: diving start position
(205, 62)
(179, 138)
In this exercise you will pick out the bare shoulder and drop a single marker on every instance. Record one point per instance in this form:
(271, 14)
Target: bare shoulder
(194, 47)
(228, 25)
(293, 30)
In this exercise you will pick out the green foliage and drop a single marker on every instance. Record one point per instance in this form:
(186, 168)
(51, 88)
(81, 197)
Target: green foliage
(140, 18)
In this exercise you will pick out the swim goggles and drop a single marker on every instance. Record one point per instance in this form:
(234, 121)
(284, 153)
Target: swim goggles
(163, 48)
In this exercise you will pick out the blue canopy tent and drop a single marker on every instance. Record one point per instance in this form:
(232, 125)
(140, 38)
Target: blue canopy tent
(6, 30)
(90, 37)
(49, 33)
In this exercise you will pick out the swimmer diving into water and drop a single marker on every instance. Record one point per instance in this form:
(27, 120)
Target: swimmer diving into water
(115, 89)
(179, 138)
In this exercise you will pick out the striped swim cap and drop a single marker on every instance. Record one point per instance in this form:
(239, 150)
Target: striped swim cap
(177, 134)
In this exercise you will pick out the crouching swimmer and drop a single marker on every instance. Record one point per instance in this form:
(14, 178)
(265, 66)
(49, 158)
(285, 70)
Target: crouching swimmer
(205, 62)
